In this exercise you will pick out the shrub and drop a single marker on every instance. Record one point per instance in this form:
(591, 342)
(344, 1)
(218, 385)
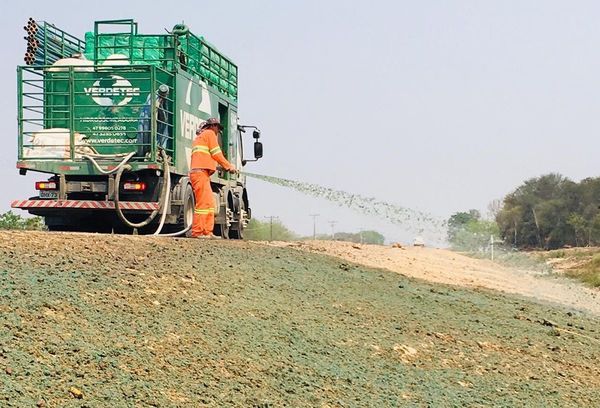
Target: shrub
(11, 221)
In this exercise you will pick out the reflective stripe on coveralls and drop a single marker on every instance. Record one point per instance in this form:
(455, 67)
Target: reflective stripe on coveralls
(206, 152)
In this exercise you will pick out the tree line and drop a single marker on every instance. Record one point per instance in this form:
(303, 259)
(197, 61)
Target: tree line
(546, 212)
(276, 231)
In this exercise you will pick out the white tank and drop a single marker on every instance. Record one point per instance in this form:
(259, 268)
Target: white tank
(82, 64)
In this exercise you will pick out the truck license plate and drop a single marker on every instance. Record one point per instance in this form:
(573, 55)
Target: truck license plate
(48, 194)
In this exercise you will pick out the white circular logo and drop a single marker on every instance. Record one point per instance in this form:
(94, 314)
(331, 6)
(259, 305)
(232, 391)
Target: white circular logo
(112, 91)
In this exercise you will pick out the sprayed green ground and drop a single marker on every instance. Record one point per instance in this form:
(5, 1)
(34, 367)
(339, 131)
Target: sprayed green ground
(142, 322)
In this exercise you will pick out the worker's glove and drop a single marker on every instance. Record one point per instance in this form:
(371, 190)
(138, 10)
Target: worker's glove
(233, 170)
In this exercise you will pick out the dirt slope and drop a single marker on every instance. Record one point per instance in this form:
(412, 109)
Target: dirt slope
(96, 321)
(444, 266)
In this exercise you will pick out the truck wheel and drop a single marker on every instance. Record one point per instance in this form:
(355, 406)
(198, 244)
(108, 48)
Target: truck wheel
(221, 231)
(237, 232)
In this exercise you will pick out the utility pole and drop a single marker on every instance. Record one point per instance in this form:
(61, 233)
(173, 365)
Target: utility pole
(492, 242)
(314, 225)
(332, 223)
(271, 218)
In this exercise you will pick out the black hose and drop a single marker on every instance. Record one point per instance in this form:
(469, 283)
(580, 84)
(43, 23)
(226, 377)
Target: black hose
(161, 202)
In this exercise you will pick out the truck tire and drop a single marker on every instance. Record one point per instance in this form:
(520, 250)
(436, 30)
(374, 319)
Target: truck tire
(222, 231)
(237, 232)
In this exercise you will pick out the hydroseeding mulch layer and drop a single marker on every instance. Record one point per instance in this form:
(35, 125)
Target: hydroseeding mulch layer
(97, 320)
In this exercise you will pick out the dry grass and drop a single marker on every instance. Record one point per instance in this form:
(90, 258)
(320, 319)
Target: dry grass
(589, 272)
(579, 263)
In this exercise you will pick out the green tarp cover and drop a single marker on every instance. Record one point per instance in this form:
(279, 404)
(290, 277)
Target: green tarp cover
(144, 49)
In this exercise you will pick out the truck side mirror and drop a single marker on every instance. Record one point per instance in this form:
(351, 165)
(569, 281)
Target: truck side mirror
(258, 150)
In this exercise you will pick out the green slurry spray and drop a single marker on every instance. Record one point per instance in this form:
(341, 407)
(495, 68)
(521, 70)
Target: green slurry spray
(413, 221)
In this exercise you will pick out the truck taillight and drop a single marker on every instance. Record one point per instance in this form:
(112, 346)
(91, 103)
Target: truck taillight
(134, 186)
(46, 185)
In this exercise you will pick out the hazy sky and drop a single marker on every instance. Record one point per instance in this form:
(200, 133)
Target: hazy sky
(439, 106)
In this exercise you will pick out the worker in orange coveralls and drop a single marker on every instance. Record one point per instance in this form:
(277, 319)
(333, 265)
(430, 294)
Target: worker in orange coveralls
(206, 153)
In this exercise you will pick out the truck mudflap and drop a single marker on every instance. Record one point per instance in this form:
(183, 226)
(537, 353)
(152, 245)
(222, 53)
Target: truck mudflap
(85, 204)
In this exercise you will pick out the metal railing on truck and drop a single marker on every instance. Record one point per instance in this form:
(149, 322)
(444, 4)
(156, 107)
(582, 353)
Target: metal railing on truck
(179, 50)
(66, 112)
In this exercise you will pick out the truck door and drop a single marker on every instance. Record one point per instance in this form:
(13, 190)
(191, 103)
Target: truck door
(224, 136)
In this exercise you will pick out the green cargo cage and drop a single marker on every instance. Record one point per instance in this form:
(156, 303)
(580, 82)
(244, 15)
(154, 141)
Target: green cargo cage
(66, 112)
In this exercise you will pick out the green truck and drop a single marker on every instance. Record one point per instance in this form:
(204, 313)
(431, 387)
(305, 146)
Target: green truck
(111, 118)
